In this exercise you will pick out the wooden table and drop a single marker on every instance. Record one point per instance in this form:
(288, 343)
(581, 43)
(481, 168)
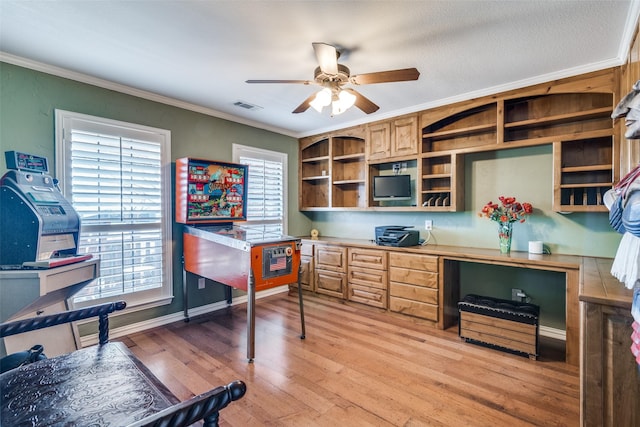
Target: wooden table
(99, 385)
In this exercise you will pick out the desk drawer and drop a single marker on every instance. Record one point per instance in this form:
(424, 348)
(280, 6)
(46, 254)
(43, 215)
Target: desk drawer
(416, 293)
(332, 258)
(414, 277)
(331, 283)
(414, 308)
(368, 258)
(414, 261)
(368, 277)
(367, 295)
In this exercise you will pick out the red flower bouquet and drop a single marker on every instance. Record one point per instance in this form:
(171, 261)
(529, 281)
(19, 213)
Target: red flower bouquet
(508, 211)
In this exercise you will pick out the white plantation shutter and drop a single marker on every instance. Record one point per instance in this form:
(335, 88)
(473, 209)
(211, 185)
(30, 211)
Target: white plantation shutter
(116, 177)
(266, 194)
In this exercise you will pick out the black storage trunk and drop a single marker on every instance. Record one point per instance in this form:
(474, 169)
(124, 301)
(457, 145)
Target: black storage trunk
(502, 324)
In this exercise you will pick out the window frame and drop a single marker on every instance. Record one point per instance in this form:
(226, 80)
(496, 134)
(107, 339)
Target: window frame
(64, 122)
(239, 150)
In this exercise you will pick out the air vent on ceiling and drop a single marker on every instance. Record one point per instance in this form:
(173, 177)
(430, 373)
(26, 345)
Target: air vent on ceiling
(246, 105)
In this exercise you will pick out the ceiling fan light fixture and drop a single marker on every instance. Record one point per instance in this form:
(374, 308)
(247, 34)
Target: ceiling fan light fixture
(322, 99)
(342, 102)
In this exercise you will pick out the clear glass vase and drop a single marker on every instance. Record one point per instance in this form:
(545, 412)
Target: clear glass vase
(505, 230)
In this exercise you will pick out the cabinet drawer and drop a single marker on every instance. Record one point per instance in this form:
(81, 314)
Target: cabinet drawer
(306, 249)
(415, 261)
(416, 293)
(331, 258)
(414, 308)
(368, 277)
(367, 295)
(368, 258)
(331, 283)
(414, 277)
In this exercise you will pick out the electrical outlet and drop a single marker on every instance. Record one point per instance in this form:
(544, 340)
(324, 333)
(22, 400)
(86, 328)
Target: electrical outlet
(200, 282)
(428, 224)
(516, 294)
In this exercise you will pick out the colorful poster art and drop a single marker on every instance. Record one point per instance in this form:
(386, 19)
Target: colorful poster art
(217, 191)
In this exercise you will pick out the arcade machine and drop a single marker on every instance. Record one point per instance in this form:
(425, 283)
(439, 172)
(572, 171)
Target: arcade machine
(210, 200)
(39, 265)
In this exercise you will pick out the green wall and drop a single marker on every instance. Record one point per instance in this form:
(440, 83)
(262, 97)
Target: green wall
(27, 102)
(28, 99)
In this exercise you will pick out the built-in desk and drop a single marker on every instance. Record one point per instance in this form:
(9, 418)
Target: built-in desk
(578, 270)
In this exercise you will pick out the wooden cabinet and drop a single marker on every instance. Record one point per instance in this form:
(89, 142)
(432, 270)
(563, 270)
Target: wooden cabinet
(379, 141)
(331, 270)
(367, 276)
(572, 114)
(585, 158)
(333, 171)
(348, 172)
(441, 186)
(610, 379)
(413, 285)
(314, 173)
(584, 169)
(307, 279)
(393, 138)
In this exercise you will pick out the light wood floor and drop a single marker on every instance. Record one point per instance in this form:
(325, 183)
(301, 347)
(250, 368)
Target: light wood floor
(358, 366)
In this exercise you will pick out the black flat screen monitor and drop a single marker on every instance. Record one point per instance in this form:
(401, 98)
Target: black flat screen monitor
(392, 187)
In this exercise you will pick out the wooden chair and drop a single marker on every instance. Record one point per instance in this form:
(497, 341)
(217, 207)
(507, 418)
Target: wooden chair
(99, 385)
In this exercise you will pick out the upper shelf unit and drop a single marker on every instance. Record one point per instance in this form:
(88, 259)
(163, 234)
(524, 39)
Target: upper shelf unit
(472, 128)
(571, 114)
(333, 171)
(548, 118)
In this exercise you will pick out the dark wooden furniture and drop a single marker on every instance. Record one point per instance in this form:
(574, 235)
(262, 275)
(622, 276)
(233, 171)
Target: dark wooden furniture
(99, 385)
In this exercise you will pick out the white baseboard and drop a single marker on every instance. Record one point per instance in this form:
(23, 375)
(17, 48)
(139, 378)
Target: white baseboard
(122, 331)
(558, 334)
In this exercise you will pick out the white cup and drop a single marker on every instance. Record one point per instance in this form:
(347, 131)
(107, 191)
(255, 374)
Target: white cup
(535, 247)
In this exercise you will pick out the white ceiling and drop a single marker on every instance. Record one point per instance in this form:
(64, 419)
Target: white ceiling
(198, 54)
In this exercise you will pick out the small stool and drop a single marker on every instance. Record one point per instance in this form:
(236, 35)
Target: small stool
(505, 325)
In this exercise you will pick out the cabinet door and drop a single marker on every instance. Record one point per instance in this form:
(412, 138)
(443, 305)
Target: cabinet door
(609, 380)
(332, 258)
(306, 273)
(379, 141)
(404, 136)
(331, 283)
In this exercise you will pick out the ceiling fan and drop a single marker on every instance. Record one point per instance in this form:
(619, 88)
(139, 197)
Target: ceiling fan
(333, 76)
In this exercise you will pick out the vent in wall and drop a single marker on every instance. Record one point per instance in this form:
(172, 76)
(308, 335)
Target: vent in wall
(246, 105)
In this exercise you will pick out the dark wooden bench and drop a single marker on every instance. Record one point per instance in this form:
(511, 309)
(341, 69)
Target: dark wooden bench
(103, 384)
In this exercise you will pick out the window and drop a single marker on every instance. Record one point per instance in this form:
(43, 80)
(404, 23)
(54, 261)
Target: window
(117, 177)
(266, 193)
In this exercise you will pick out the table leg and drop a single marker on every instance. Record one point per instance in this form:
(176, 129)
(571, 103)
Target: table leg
(185, 301)
(251, 318)
(300, 299)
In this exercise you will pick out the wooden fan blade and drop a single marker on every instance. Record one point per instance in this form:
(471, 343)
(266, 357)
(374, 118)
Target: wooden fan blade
(302, 82)
(327, 58)
(403, 75)
(362, 102)
(305, 105)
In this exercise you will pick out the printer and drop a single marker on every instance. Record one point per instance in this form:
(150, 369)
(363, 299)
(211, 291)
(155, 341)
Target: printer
(397, 235)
